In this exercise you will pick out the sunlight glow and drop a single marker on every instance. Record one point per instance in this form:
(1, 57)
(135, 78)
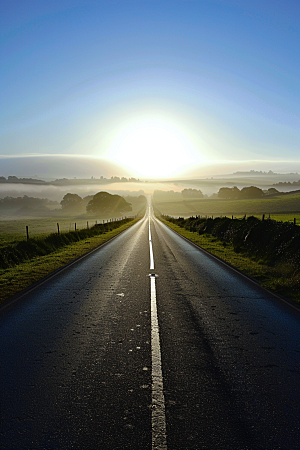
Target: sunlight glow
(153, 149)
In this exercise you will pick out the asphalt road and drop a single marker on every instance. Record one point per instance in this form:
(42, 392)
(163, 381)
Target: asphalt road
(104, 356)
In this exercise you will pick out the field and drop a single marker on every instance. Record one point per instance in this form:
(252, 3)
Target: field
(276, 206)
(15, 229)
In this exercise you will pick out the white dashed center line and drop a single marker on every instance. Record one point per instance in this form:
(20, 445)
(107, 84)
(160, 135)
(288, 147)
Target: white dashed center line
(159, 435)
(151, 249)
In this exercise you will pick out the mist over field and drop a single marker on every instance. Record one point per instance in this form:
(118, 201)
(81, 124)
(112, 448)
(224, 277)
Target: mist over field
(208, 186)
(57, 192)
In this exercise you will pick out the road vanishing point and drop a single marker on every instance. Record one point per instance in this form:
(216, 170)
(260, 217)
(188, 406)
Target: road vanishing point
(150, 343)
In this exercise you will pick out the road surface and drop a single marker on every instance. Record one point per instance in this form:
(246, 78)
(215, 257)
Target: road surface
(149, 343)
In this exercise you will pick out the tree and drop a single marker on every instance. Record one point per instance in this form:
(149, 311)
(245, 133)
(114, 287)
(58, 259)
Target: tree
(191, 193)
(229, 193)
(251, 192)
(272, 191)
(71, 201)
(103, 202)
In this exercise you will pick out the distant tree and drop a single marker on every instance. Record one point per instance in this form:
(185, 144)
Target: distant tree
(192, 193)
(251, 192)
(15, 203)
(86, 200)
(165, 196)
(225, 192)
(229, 193)
(272, 191)
(103, 202)
(71, 201)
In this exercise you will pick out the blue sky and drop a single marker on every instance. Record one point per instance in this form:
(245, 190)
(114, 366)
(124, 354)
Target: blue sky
(190, 86)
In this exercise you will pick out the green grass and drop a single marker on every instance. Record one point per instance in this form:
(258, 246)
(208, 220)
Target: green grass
(15, 279)
(279, 278)
(286, 204)
(15, 229)
(285, 217)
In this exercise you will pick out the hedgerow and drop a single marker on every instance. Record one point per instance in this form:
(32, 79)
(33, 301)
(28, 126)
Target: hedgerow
(269, 240)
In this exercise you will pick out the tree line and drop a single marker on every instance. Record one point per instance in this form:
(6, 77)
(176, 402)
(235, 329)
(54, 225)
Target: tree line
(235, 193)
(8, 203)
(159, 195)
(67, 181)
(102, 202)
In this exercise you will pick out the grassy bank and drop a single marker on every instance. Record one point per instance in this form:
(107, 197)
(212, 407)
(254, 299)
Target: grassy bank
(277, 270)
(47, 254)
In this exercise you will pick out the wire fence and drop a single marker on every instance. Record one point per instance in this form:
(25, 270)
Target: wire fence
(293, 220)
(76, 226)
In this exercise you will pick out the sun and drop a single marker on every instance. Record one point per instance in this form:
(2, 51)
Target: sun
(152, 149)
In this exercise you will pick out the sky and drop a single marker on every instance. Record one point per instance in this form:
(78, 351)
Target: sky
(159, 88)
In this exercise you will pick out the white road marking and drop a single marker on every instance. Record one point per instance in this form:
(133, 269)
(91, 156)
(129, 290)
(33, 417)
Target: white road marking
(159, 433)
(151, 249)
(149, 230)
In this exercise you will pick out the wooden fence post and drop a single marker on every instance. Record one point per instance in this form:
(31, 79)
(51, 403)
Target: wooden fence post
(263, 217)
(87, 225)
(294, 220)
(27, 233)
(57, 228)
(75, 226)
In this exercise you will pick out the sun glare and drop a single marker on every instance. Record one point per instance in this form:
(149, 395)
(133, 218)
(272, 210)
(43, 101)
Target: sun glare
(152, 150)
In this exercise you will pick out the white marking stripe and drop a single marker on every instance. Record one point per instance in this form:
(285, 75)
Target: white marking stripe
(151, 256)
(159, 435)
(151, 249)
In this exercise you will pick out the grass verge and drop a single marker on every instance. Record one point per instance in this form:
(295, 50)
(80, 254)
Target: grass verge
(278, 278)
(15, 279)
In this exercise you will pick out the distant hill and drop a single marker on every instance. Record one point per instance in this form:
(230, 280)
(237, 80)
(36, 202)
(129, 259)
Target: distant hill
(269, 176)
(261, 173)
(57, 166)
(66, 181)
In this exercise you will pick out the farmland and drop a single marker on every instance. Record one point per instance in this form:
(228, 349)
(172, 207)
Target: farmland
(15, 229)
(287, 205)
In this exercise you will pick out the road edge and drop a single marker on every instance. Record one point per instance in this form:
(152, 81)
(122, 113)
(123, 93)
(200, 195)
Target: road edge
(291, 303)
(10, 301)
